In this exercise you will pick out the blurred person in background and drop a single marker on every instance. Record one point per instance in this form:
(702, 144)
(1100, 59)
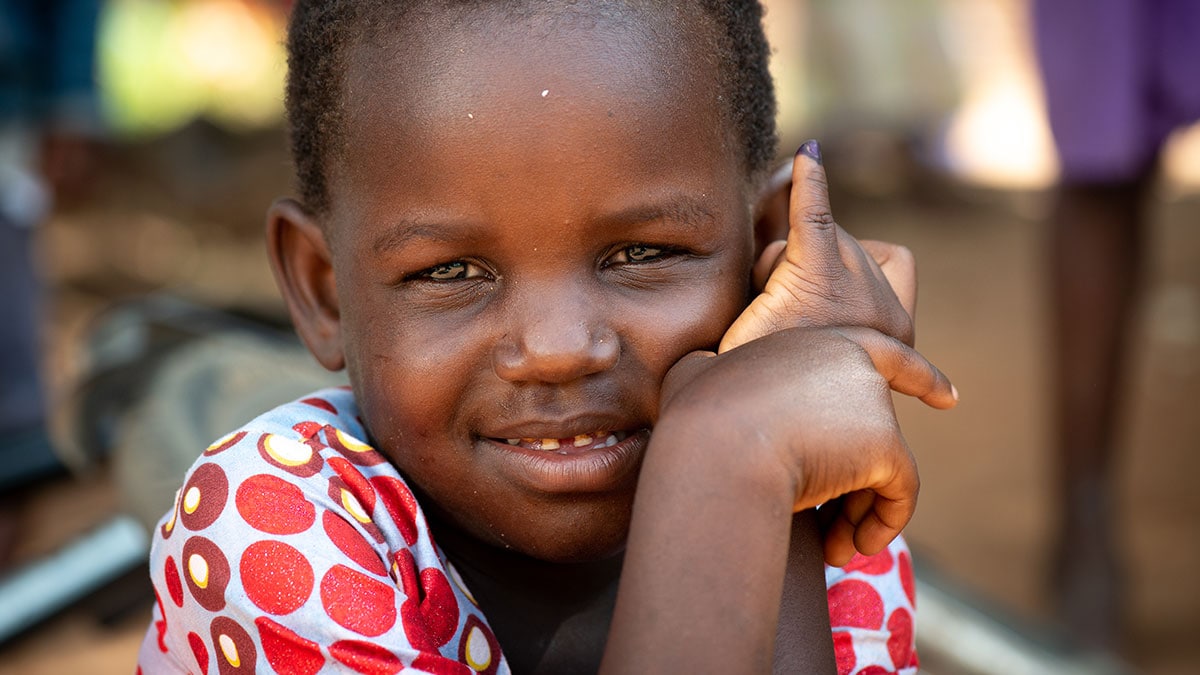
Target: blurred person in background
(49, 117)
(1120, 75)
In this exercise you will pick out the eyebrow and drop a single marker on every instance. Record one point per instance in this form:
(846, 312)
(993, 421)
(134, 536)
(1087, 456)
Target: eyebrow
(681, 208)
(404, 230)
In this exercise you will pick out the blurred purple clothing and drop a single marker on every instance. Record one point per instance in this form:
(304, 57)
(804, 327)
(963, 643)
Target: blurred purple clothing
(1120, 75)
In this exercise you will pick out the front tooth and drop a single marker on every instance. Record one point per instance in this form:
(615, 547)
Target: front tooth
(611, 441)
(513, 441)
(549, 444)
(582, 440)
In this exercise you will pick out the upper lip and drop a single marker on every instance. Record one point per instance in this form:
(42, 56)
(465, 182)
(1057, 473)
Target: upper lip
(567, 427)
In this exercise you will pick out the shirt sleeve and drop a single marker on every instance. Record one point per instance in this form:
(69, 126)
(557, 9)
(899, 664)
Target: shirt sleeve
(872, 605)
(282, 556)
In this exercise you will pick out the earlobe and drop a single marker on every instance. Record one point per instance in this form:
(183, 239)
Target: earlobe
(302, 264)
(771, 209)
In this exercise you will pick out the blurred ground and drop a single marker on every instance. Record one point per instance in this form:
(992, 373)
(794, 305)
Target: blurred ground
(185, 214)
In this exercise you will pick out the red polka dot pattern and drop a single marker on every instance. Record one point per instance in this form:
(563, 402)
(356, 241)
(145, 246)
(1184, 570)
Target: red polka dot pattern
(357, 602)
(855, 604)
(355, 483)
(287, 652)
(401, 505)
(203, 498)
(174, 584)
(276, 577)
(233, 647)
(430, 611)
(906, 579)
(358, 453)
(207, 573)
(321, 403)
(843, 651)
(273, 505)
(875, 670)
(199, 651)
(349, 541)
(435, 664)
(880, 563)
(225, 443)
(291, 455)
(899, 642)
(365, 657)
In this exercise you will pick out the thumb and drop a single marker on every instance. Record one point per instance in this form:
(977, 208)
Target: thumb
(812, 233)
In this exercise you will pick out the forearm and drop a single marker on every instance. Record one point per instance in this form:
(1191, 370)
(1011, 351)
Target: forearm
(803, 640)
(704, 568)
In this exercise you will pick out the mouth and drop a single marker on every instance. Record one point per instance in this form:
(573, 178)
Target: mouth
(571, 444)
(600, 461)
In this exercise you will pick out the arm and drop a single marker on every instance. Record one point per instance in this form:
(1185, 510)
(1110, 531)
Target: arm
(745, 440)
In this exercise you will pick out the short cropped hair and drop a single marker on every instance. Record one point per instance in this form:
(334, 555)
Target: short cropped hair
(322, 32)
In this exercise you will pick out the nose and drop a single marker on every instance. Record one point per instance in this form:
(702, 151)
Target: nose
(555, 338)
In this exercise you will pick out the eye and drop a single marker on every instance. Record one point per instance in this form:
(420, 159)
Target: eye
(452, 271)
(637, 253)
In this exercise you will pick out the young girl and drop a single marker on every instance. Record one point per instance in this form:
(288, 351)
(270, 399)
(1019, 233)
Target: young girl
(522, 228)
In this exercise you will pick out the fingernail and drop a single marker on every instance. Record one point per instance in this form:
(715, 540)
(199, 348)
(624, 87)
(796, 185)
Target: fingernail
(954, 392)
(812, 149)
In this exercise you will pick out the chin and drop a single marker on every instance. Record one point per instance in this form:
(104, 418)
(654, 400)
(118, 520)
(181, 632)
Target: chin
(585, 537)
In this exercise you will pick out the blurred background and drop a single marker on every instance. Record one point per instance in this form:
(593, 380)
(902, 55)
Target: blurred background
(1060, 289)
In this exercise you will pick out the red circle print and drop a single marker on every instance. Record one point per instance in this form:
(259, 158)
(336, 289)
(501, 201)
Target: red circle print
(431, 619)
(272, 505)
(199, 651)
(291, 455)
(355, 482)
(843, 651)
(206, 571)
(203, 497)
(365, 657)
(478, 647)
(880, 563)
(224, 444)
(320, 403)
(855, 604)
(900, 638)
(357, 602)
(286, 651)
(174, 584)
(351, 542)
(234, 647)
(874, 670)
(906, 578)
(276, 577)
(401, 505)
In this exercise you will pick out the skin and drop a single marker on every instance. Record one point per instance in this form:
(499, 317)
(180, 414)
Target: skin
(501, 264)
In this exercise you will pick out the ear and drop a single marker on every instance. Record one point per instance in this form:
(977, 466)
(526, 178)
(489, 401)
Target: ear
(771, 208)
(301, 261)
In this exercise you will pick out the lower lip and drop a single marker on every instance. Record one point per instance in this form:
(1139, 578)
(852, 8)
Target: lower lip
(601, 469)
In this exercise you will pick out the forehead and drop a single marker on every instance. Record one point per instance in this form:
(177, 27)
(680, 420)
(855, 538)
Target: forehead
(564, 98)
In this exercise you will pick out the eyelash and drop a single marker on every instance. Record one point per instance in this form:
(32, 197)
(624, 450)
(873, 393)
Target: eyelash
(459, 270)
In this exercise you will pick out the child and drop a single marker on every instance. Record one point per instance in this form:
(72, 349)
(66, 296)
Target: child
(522, 224)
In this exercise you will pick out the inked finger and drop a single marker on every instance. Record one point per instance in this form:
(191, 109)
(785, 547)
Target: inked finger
(812, 233)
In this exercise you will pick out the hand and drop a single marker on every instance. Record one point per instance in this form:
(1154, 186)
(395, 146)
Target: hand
(822, 276)
(811, 407)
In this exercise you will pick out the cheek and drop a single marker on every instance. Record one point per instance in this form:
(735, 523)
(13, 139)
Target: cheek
(664, 328)
(413, 374)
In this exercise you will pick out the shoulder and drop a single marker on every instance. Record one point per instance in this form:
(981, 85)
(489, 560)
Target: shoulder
(294, 539)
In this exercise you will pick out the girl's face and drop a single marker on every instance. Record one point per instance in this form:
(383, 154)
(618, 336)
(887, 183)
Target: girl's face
(531, 223)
